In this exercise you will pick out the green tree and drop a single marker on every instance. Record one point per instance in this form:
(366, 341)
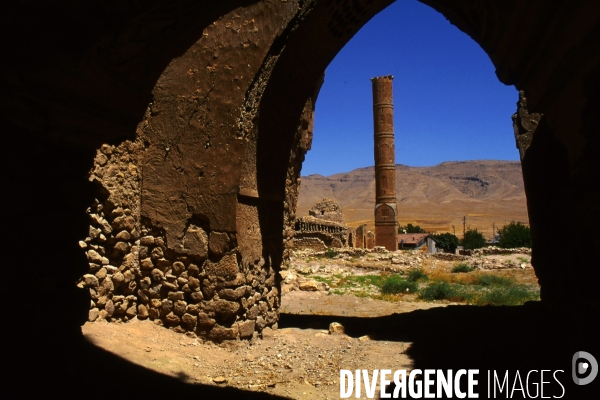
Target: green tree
(446, 241)
(473, 239)
(515, 234)
(410, 228)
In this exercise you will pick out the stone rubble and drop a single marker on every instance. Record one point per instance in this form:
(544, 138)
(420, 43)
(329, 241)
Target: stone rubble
(293, 281)
(400, 260)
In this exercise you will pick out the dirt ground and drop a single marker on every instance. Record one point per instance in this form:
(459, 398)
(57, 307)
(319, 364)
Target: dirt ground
(300, 361)
(293, 362)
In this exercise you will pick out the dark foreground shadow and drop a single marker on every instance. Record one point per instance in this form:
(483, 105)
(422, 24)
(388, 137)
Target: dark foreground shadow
(54, 368)
(495, 339)
(505, 340)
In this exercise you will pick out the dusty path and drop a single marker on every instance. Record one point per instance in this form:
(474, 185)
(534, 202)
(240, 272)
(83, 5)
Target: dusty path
(322, 303)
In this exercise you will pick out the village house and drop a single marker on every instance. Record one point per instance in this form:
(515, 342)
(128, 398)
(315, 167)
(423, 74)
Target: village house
(414, 241)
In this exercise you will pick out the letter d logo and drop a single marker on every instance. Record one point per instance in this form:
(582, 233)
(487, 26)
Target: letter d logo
(582, 367)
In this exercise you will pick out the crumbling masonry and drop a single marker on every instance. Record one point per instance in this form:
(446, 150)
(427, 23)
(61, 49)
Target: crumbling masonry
(196, 285)
(324, 228)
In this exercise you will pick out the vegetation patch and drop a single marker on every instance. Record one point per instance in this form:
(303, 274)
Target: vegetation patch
(397, 285)
(446, 241)
(459, 284)
(515, 234)
(445, 291)
(410, 228)
(325, 279)
(462, 267)
(331, 253)
(507, 296)
(492, 280)
(416, 275)
(376, 280)
(359, 285)
(473, 239)
(494, 292)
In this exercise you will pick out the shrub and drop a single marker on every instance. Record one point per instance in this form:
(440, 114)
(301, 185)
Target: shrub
(473, 239)
(410, 228)
(376, 280)
(330, 253)
(444, 291)
(397, 285)
(515, 234)
(446, 241)
(416, 275)
(462, 267)
(507, 296)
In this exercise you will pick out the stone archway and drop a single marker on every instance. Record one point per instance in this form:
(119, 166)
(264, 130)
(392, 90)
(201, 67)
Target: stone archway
(270, 131)
(221, 94)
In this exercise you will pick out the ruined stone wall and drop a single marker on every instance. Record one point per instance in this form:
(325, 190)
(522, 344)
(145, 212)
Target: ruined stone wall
(361, 239)
(112, 244)
(182, 239)
(326, 223)
(370, 240)
(333, 234)
(524, 125)
(327, 209)
(197, 287)
(212, 203)
(301, 145)
(312, 243)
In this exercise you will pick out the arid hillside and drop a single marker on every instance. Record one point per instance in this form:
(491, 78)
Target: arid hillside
(487, 192)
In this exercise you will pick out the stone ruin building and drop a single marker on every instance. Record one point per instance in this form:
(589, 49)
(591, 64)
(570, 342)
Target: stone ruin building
(194, 118)
(327, 210)
(323, 228)
(364, 238)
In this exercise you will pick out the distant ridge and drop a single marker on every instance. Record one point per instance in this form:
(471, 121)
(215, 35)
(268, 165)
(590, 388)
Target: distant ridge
(437, 197)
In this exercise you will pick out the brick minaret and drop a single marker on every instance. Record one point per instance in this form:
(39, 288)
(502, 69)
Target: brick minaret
(386, 225)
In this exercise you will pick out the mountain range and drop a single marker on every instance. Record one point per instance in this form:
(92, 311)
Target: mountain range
(488, 193)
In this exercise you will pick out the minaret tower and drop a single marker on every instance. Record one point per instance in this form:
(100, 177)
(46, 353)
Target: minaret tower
(386, 224)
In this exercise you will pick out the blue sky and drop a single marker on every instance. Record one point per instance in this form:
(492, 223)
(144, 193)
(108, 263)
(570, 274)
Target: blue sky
(448, 102)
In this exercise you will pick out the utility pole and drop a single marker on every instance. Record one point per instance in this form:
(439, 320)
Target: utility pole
(454, 229)
(493, 230)
(464, 228)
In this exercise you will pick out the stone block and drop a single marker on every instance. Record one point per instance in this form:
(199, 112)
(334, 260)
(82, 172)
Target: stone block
(226, 268)
(219, 333)
(246, 328)
(195, 242)
(218, 243)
